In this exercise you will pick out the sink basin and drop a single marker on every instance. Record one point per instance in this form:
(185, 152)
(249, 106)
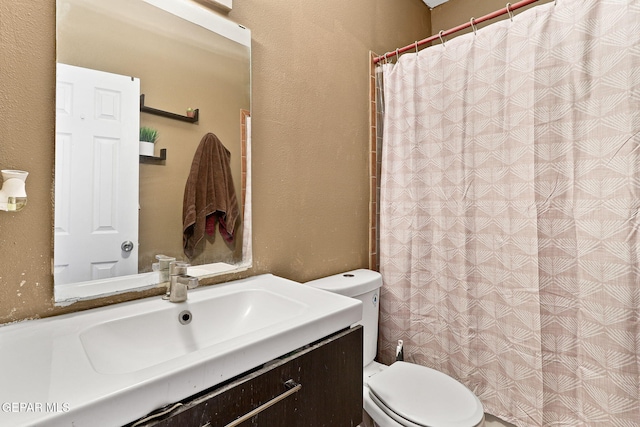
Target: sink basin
(112, 365)
(137, 342)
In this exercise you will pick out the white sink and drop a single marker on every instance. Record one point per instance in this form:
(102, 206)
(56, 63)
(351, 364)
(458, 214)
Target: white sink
(147, 339)
(112, 365)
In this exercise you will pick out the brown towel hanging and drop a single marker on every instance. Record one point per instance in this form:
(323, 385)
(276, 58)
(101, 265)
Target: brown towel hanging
(209, 195)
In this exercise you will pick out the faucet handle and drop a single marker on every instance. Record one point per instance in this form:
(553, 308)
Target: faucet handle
(178, 268)
(165, 257)
(193, 282)
(164, 261)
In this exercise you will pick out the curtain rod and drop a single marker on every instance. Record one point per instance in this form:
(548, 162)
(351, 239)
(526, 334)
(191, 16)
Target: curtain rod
(472, 22)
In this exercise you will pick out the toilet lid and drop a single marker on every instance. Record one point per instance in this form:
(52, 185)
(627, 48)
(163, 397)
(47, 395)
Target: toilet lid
(425, 396)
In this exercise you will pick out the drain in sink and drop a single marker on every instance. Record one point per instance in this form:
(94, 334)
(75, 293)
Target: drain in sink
(185, 317)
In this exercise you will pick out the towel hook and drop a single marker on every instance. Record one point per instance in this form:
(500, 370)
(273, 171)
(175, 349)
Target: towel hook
(510, 12)
(440, 33)
(473, 26)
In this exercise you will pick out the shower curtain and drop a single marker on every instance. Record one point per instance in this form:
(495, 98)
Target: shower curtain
(510, 201)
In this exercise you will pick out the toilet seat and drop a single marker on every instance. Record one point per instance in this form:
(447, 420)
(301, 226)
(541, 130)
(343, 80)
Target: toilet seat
(416, 395)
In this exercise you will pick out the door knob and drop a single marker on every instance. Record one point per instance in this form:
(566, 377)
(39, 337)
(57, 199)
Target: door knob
(127, 246)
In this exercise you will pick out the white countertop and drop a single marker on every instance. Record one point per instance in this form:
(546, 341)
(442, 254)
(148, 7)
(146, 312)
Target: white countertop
(48, 380)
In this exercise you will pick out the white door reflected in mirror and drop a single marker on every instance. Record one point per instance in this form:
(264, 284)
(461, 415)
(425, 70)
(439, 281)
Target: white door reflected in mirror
(96, 194)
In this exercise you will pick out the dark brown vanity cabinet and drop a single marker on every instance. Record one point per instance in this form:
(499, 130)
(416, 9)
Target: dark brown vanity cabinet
(320, 385)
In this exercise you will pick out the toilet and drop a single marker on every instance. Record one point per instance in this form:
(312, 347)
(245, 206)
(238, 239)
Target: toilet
(403, 394)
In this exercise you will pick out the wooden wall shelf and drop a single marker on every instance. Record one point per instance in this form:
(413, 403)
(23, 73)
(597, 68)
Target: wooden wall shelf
(167, 114)
(153, 159)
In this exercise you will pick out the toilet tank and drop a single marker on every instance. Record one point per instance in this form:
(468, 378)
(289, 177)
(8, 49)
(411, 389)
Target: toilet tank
(363, 285)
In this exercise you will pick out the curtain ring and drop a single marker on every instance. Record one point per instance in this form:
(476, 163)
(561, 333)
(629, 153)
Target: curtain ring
(416, 47)
(397, 56)
(440, 35)
(473, 26)
(510, 12)
(386, 61)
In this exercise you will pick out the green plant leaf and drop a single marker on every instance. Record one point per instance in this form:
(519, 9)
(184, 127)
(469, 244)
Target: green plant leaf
(148, 134)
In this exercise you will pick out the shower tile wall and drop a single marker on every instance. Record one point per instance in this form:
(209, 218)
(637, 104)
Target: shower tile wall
(375, 138)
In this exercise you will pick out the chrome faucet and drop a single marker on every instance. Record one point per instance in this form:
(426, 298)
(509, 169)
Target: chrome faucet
(162, 267)
(179, 282)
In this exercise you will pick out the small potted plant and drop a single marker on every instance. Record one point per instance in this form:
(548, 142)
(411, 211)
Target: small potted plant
(191, 112)
(148, 137)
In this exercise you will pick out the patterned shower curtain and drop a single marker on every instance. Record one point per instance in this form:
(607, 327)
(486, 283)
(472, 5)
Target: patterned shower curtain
(510, 213)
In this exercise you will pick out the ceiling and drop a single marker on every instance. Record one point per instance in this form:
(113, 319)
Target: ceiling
(433, 3)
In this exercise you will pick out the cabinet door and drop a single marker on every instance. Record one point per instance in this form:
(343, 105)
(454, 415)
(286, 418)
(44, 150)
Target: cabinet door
(330, 375)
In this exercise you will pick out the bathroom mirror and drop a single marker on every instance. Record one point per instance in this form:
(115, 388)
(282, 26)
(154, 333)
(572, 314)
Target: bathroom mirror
(124, 65)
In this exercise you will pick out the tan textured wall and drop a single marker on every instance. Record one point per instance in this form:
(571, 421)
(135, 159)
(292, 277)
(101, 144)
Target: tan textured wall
(310, 136)
(27, 89)
(310, 123)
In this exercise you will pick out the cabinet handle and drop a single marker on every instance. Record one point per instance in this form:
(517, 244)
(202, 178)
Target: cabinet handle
(293, 387)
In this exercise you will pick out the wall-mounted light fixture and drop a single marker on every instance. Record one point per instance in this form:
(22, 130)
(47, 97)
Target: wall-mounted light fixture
(13, 196)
